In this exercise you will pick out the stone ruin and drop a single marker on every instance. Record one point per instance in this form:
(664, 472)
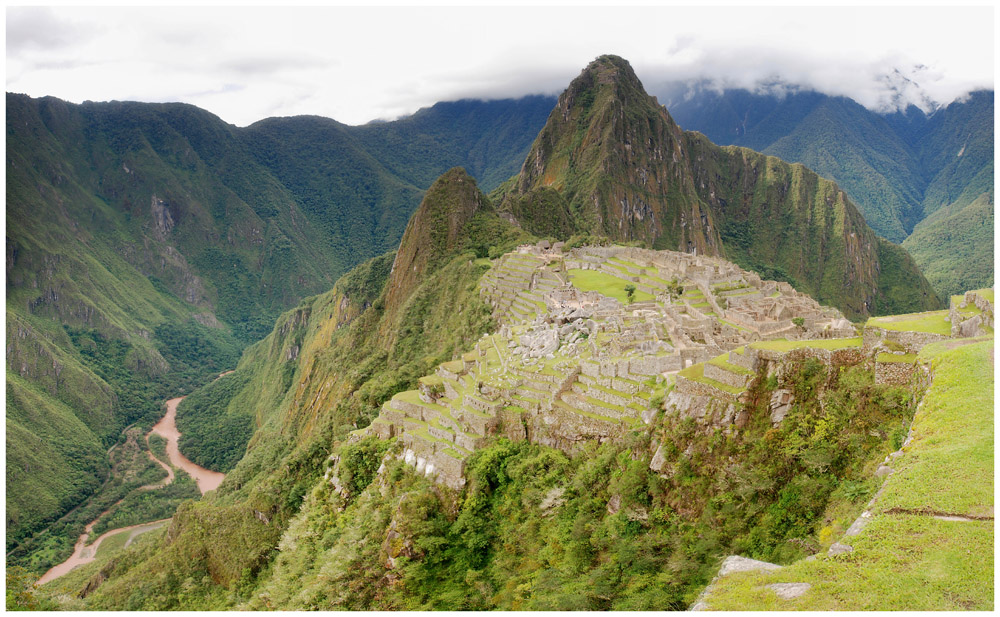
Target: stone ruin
(568, 364)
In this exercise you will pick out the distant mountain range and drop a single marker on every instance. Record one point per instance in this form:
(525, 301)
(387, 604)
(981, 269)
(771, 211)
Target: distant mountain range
(148, 244)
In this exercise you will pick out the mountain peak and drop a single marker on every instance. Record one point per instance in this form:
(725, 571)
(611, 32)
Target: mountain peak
(607, 73)
(605, 160)
(434, 231)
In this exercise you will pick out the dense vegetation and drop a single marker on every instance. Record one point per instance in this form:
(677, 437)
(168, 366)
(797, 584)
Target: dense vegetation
(210, 436)
(151, 505)
(948, 467)
(954, 246)
(132, 469)
(149, 244)
(538, 530)
(900, 169)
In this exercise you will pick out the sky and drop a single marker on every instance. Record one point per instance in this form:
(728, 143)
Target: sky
(360, 64)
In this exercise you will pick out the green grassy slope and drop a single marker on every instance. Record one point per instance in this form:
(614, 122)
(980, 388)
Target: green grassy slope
(954, 246)
(906, 559)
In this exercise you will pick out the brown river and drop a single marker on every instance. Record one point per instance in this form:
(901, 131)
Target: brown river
(207, 480)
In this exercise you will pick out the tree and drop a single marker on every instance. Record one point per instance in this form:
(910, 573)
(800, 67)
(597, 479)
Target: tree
(630, 292)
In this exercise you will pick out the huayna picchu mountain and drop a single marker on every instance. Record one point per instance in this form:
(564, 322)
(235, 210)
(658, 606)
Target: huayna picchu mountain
(610, 161)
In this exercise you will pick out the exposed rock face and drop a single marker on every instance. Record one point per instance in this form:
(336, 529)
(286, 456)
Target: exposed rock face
(971, 315)
(781, 403)
(606, 123)
(163, 221)
(733, 563)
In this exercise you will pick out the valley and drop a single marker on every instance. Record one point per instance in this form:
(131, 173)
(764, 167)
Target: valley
(475, 359)
(206, 480)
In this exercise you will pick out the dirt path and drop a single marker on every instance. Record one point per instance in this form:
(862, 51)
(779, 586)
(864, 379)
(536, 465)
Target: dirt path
(143, 528)
(85, 554)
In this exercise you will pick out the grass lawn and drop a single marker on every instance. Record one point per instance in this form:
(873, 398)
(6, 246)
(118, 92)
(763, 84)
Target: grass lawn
(786, 345)
(604, 283)
(723, 363)
(696, 372)
(904, 560)
(932, 322)
(113, 543)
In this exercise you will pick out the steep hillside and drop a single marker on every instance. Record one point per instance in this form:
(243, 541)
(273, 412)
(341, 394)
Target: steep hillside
(488, 138)
(899, 169)
(954, 246)
(611, 161)
(147, 244)
(322, 372)
(928, 535)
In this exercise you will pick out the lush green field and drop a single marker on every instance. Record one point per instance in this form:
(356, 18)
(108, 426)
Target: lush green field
(611, 286)
(906, 559)
(933, 322)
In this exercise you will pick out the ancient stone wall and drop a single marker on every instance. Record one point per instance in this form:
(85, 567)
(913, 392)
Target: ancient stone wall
(894, 373)
(912, 341)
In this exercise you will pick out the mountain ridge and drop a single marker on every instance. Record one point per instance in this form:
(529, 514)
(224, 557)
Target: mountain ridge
(612, 162)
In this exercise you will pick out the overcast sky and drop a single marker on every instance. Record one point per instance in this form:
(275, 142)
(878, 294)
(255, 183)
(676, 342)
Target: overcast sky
(360, 64)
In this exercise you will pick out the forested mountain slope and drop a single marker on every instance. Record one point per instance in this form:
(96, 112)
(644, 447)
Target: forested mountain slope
(899, 168)
(148, 244)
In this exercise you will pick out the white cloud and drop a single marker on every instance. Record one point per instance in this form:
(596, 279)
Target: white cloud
(358, 64)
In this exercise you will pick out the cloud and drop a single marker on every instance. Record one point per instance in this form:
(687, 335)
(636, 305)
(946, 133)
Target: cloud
(39, 28)
(357, 64)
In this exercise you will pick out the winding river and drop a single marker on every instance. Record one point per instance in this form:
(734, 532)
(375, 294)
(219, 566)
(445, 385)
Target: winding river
(206, 479)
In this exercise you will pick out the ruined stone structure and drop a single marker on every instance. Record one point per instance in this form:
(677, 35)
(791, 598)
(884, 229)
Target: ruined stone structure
(972, 313)
(569, 364)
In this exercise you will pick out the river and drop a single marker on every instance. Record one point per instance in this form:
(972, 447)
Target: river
(206, 479)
